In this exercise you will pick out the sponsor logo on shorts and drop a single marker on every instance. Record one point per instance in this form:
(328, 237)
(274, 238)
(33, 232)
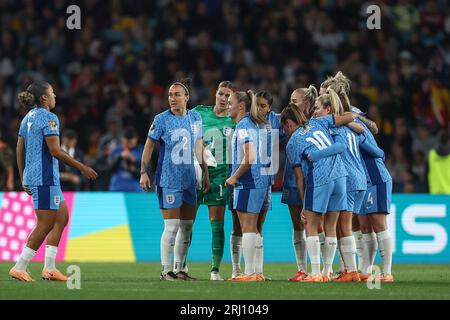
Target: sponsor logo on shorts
(57, 200)
(170, 198)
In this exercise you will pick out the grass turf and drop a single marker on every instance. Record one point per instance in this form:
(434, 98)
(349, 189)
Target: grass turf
(141, 281)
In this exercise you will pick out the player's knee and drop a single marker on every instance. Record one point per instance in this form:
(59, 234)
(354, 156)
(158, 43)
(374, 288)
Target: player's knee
(172, 226)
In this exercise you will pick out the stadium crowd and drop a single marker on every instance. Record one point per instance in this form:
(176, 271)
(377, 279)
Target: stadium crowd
(111, 76)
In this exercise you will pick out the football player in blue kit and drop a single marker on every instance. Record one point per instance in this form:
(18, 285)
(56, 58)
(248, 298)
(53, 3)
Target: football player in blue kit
(250, 177)
(377, 202)
(39, 173)
(356, 180)
(321, 184)
(179, 133)
(304, 100)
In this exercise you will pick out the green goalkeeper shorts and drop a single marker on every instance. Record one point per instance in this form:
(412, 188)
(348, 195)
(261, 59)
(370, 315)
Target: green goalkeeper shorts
(217, 195)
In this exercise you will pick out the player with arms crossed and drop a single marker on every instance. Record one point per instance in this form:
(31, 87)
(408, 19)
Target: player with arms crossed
(39, 173)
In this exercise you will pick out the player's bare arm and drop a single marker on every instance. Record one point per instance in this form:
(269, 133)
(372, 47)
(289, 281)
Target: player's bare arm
(56, 151)
(145, 162)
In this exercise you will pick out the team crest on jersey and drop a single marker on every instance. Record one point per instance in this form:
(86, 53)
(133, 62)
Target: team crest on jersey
(226, 131)
(57, 200)
(170, 198)
(53, 125)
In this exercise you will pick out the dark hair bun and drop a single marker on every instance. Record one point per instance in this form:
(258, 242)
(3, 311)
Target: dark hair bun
(26, 99)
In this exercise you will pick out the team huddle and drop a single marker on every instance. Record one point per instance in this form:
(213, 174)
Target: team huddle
(335, 183)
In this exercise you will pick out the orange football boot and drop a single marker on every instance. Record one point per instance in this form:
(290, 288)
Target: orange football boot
(348, 277)
(313, 278)
(365, 277)
(20, 275)
(262, 277)
(54, 275)
(246, 278)
(387, 278)
(300, 275)
(326, 277)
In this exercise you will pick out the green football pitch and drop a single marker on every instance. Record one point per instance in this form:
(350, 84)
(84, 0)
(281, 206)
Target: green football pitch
(141, 281)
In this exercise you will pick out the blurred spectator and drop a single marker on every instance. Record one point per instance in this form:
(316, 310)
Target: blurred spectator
(126, 163)
(102, 165)
(71, 178)
(419, 172)
(439, 164)
(423, 141)
(398, 167)
(6, 166)
(114, 72)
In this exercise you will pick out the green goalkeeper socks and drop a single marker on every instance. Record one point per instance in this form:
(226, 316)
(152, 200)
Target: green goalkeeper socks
(218, 242)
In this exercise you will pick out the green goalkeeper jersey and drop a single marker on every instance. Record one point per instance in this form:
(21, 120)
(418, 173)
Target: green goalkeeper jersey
(217, 134)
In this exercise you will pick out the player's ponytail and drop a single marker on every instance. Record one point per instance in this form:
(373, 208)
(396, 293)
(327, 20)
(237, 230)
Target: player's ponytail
(343, 81)
(342, 87)
(26, 99)
(310, 97)
(249, 100)
(331, 100)
(292, 113)
(32, 96)
(336, 104)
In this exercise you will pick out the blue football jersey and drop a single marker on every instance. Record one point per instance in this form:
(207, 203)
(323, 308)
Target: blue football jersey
(375, 169)
(275, 123)
(356, 179)
(177, 136)
(41, 169)
(314, 136)
(259, 175)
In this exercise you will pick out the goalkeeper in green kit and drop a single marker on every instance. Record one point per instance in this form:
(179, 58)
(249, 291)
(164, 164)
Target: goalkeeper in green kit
(218, 129)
